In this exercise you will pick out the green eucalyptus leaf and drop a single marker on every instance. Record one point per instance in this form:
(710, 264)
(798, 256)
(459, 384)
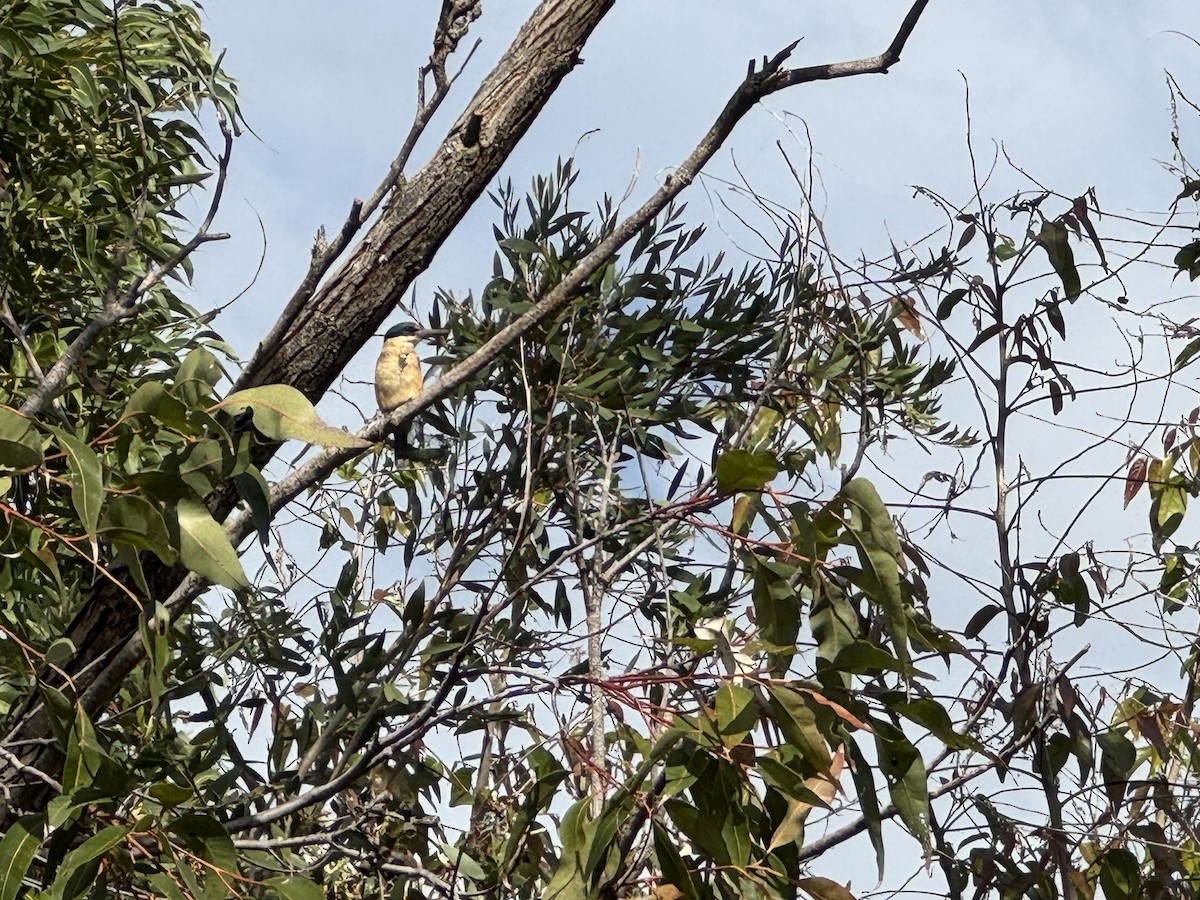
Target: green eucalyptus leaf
(743, 470)
(17, 848)
(281, 412)
(79, 866)
(1054, 240)
(152, 399)
(252, 488)
(1188, 260)
(871, 532)
(737, 713)
(294, 887)
(908, 785)
(670, 862)
(87, 479)
(133, 520)
(204, 547)
(798, 723)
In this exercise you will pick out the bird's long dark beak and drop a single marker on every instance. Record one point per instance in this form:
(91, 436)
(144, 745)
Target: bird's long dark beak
(426, 334)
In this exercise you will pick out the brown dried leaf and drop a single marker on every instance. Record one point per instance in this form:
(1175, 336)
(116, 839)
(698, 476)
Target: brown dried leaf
(906, 315)
(1135, 478)
(839, 710)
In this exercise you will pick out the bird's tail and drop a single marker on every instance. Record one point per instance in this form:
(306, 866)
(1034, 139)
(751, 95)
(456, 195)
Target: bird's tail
(400, 441)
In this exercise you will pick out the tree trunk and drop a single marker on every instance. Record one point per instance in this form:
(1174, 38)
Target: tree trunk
(310, 349)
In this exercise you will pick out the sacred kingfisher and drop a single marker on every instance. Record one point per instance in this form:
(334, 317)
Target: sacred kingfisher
(398, 377)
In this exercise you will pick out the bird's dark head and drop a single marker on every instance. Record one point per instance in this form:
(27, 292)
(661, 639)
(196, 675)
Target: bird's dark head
(412, 331)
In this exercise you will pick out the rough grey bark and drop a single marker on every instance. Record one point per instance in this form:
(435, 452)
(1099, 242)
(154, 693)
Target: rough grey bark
(326, 333)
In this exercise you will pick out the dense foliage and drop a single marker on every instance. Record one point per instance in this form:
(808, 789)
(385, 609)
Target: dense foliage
(668, 601)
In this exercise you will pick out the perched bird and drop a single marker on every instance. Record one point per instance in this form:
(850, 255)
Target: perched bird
(398, 377)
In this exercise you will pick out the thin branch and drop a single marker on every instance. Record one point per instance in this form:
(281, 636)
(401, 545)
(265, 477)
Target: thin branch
(453, 22)
(123, 307)
(769, 79)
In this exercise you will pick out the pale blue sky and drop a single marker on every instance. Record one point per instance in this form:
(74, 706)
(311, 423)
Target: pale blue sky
(1075, 91)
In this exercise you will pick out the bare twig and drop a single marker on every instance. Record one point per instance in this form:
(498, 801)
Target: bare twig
(455, 19)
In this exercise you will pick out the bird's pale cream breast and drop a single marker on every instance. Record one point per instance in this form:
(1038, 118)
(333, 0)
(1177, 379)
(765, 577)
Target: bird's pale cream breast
(397, 374)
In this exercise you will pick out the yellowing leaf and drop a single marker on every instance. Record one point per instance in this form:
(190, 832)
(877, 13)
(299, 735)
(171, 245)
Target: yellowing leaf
(824, 889)
(281, 412)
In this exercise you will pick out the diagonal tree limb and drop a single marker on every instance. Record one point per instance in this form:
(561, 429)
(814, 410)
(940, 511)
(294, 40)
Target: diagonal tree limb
(455, 18)
(326, 331)
(344, 314)
(770, 78)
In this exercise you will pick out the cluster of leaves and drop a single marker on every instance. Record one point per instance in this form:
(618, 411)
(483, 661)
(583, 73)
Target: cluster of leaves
(632, 616)
(1140, 755)
(570, 492)
(97, 154)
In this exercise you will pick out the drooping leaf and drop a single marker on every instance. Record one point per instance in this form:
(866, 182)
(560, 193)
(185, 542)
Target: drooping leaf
(1120, 875)
(776, 608)
(736, 713)
(674, 869)
(863, 774)
(203, 546)
(152, 399)
(87, 479)
(252, 488)
(130, 519)
(873, 535)
(1054, 240)
(908, 786)
(799, 725)
(281, 412)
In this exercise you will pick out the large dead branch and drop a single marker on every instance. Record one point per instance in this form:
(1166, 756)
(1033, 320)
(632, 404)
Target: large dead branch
(327, 332)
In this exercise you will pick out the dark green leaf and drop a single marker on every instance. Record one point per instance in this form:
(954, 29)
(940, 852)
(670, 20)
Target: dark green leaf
(742, 470)
(1054, 239)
